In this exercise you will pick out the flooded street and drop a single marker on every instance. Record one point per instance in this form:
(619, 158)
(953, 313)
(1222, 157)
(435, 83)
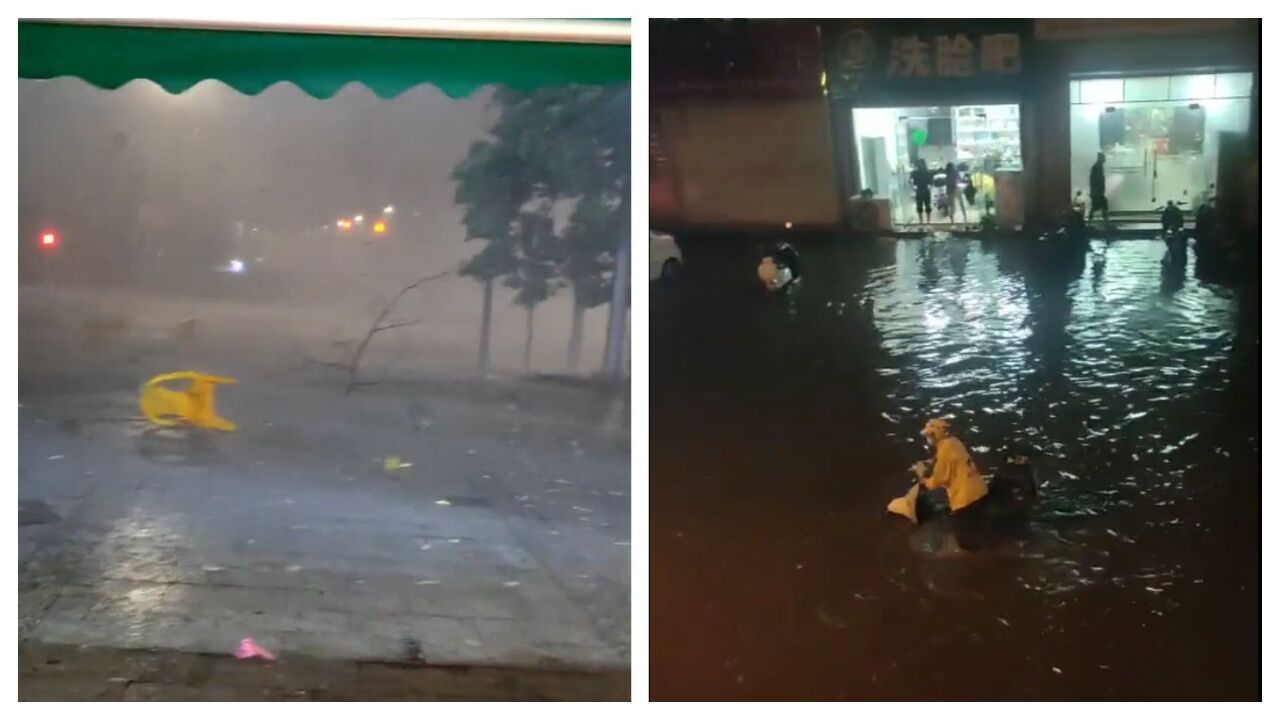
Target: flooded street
(782, 426)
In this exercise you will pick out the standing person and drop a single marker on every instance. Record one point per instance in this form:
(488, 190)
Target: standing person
(953, 195)
(1171, 218)
(922, 179)
(1098, 189)
(970, 190)
(1206, 221)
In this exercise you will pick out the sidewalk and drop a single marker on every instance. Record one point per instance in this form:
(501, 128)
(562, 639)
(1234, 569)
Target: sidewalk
(62, 673)
(504, 545)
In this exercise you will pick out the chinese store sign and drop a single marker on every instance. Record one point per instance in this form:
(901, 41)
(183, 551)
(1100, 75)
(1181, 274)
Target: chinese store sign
(898, 58)
(955, 56)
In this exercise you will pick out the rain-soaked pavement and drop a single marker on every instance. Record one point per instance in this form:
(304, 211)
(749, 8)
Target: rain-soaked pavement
(502, 543)
(780, 427)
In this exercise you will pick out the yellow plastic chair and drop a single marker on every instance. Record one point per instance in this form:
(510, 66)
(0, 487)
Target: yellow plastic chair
(192, 406)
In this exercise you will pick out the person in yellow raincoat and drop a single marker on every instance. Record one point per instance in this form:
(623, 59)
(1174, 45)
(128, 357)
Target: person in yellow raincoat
(954, 470)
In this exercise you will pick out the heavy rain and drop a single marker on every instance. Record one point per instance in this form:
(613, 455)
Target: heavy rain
(429, 460)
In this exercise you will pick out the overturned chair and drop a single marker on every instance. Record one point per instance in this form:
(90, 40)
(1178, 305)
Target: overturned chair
(192, 406)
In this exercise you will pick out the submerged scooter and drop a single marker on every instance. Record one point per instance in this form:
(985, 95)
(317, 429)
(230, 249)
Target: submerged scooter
(1011, 494)
(780, 269)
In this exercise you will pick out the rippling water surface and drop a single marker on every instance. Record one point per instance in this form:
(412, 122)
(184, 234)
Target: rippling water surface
(781, 427)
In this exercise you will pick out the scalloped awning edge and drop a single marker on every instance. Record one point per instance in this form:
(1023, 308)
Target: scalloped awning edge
(320, 65)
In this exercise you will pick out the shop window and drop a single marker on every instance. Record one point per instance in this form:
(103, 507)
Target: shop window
(1110, 128)
(1146, 89)
(1233, 85)
(1151, 126)
(1101, 91)
(983, 142)
(1156, 147)
(1191, 87)
(1187, 135)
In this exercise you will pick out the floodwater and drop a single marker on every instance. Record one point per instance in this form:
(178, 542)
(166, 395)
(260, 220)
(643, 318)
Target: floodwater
(781, 426)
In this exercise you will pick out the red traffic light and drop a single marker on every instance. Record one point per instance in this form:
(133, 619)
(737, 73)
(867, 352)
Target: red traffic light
(48, 240)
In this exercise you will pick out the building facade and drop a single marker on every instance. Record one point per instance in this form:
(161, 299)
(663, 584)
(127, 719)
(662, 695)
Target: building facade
(765, 123)
(739, 133)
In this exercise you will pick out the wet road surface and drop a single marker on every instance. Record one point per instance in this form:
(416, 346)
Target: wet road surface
(502, 541)
(781, 427)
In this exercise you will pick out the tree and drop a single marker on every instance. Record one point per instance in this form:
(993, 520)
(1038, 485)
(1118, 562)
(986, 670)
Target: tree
(591, 161)
(493, 186)
(535, 278)
(558, 143)
(591, 242)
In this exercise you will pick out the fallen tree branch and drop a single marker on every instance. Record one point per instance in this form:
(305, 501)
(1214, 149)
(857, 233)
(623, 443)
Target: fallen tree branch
(393, 326)
(378, 327)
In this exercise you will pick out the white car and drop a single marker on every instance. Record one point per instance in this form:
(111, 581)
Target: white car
(665, 260)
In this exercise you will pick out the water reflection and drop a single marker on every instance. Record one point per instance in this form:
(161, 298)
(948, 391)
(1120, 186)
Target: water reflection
(1088, 363)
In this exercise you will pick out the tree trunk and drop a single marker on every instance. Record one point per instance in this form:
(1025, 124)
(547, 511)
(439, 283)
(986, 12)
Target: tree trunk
(575, 334)
(528, 338)
(486, 321)
(615, 340)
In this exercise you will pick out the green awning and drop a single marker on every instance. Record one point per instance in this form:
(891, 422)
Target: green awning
(319, 64)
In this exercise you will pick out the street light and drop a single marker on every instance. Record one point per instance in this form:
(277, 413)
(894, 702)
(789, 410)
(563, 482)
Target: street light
(48, 243)
(359, 219)
(390, 209)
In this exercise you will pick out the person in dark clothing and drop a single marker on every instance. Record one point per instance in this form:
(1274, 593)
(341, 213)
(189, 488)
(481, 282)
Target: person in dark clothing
(1098, 189)
(1171, 218)
(922, 179)
(1206, 221)
(970, 190)
(786, 256)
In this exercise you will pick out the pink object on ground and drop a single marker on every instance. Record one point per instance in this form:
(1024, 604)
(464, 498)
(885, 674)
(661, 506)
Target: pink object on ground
(250, 649)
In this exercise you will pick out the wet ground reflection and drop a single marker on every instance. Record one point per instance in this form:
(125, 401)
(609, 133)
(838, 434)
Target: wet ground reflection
(781, 426)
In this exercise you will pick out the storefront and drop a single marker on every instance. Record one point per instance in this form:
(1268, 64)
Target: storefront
(1160, 135)
(764, 122)
(1172, 105)
(943, 93)
(982, 142)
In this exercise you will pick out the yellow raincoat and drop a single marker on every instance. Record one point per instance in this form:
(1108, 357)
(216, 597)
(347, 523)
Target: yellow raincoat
(954, 470)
